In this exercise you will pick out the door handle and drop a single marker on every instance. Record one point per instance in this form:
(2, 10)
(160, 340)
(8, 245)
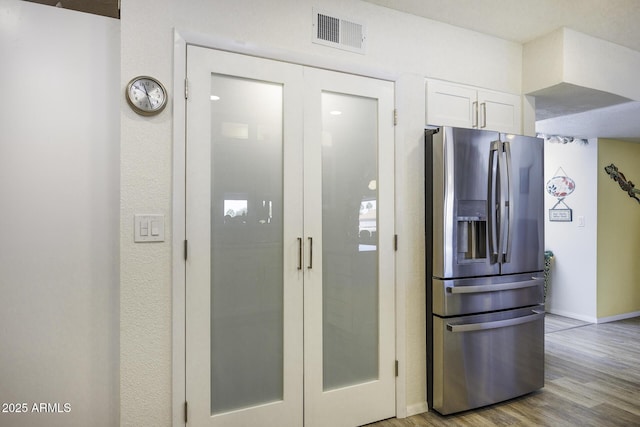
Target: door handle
(493, 202)
(509, 204)
(503, 185)
(299, 253)
(496, 324)
(310, 266)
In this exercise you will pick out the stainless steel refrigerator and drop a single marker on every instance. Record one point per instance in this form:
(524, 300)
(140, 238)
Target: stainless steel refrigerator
(485, 259)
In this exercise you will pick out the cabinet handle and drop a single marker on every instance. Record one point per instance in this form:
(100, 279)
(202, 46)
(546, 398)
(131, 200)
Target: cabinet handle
(484, 115)
(474, 115)
(310, 253)
(299, 253)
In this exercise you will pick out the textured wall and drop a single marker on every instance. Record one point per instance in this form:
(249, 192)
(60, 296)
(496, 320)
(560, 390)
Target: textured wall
(618, 232)
(145, 268)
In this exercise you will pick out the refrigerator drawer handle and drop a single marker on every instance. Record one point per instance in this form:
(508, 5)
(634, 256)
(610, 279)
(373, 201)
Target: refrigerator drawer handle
(494, 325)
(492, 288)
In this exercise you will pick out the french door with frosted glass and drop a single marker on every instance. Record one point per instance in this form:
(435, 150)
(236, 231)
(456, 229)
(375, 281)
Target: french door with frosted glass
(289, 222)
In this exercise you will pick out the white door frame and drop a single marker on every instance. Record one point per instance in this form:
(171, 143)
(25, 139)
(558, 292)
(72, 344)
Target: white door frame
(182, 38)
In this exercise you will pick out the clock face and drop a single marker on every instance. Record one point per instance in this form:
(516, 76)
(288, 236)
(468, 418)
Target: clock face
(146, 95)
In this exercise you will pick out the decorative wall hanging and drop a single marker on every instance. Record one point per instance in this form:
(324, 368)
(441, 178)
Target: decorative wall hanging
(560, 186)
(627, 186)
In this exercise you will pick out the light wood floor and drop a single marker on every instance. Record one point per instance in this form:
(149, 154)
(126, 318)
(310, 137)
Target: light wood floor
(592, 378)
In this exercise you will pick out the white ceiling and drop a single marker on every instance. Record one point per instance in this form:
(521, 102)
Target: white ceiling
(616, 21)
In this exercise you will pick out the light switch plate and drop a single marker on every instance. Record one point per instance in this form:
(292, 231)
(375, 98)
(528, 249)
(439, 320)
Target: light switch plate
(148, 228)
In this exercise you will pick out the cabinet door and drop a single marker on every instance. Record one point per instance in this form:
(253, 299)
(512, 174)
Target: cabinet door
(460, 106)
(499, 111)
(451, 105)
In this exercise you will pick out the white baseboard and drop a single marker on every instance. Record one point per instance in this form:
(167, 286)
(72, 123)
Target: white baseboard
(572, 315)
(618, 317)
(591, 319)
(417, 408)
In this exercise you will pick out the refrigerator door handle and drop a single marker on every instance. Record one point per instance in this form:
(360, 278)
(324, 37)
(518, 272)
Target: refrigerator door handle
(503, 184)
(492, 288)
(493, 202)
(496, 324)
(509, 203)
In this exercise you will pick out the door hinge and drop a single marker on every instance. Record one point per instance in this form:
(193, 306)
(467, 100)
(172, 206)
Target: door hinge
(395, 242)
(395, 117)
(185, 250)
(186, 88)
(397, 368)
(186, 416)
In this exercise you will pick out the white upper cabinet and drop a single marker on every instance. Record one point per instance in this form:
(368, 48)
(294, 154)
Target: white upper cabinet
(463, 106)
(499, 111)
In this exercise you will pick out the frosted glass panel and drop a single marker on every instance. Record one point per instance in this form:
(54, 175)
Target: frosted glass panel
(349, 240)
(246, 243)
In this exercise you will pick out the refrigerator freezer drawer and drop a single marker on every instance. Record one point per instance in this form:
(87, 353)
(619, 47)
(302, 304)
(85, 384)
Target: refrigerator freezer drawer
(456, 297)
(483, 359)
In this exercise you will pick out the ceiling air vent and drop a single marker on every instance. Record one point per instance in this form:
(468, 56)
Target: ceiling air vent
(338, 32)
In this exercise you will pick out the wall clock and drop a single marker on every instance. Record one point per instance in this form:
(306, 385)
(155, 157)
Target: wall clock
(146, 95)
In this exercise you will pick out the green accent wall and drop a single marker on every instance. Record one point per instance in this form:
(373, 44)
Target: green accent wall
(618, 231)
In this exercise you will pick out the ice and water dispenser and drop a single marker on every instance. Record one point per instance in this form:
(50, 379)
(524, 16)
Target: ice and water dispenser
(472, 230)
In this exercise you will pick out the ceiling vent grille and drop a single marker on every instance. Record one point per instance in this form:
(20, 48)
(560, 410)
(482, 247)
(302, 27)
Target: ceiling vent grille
(338, 32)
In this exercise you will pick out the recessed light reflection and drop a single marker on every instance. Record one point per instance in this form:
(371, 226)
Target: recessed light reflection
(215, 97)
(335, 112)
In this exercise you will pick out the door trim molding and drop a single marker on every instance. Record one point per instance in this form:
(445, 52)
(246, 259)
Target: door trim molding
(268, 52)
(178, 235)
(181, 39)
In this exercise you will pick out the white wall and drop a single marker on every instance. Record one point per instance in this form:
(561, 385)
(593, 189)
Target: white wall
(568, 56)
(601, 65)
(400, 47)
(573, 289)
(59, 192)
